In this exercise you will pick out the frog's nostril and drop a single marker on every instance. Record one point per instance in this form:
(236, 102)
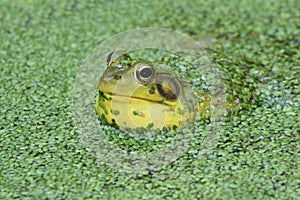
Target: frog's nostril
(117, 77)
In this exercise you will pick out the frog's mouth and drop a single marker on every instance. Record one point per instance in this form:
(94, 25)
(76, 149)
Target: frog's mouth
(116, 97)
(143, 99)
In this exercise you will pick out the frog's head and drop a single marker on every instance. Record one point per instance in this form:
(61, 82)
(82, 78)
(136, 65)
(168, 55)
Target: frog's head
(135, 78)
(137, 93)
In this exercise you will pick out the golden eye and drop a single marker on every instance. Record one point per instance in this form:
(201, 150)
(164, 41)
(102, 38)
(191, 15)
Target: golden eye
(144, 73)
(168, 87)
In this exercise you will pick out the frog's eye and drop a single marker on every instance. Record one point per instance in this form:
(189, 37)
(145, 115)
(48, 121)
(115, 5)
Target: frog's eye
(144, 72)
(168, 87)
(114, 57)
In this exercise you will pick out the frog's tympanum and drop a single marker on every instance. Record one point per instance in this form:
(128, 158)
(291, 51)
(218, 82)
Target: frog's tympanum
(137, 93)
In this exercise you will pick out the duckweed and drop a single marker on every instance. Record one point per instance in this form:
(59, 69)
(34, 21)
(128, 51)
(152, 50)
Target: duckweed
(256, 47)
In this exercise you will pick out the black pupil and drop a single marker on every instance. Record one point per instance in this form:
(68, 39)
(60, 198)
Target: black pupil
(146, 73)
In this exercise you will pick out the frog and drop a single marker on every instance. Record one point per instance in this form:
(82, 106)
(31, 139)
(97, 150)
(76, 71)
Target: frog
(135, 92)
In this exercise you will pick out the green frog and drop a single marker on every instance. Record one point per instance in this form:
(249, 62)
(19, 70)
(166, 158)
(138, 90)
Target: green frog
(135, 93)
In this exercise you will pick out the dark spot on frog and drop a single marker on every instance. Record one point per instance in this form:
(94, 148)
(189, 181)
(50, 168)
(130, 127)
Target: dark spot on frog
(102, 95)
(179, 111)
(101, 105)
(114, 124)
(150, 125)
(138, 113)
(152, 90)
(115, 112)
(174, 127)
(103, 119)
